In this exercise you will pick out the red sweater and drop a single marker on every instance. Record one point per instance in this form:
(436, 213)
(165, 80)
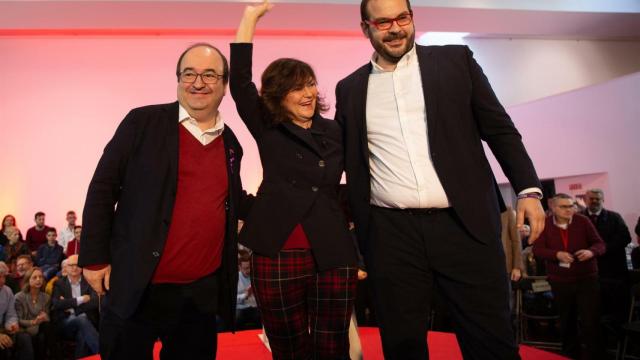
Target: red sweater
(196, 235)
(581, 235)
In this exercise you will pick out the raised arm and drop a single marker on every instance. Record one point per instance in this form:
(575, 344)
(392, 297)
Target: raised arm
(243, 90)
(247, 27)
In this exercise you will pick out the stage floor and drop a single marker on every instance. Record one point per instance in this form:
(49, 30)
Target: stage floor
(443, 346)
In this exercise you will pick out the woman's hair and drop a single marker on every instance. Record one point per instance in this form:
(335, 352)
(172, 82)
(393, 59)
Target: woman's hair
(5, 218)
(281, 77)
(26, 288)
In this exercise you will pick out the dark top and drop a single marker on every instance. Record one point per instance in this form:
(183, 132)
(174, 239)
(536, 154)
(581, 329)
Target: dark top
(62, 300)
(614, 232)
(582, 235)
(49, 255)
(460, 105)
(301, 173)
(138, 172)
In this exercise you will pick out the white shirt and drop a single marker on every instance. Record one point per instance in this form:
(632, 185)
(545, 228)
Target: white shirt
(65, 236)
(402, 173)
(205, 137)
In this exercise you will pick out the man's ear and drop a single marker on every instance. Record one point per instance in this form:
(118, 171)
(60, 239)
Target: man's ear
(365, 29)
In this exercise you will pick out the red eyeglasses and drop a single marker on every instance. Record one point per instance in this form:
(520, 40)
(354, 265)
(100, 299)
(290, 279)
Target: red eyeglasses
(386, 24)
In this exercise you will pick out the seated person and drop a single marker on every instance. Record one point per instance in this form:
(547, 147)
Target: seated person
(15, 280)
(32, 307)
(73, 247)
(74, 309)
(50, 255)
(246, 307)
(9, 325)
(63, 272)
(14, 247)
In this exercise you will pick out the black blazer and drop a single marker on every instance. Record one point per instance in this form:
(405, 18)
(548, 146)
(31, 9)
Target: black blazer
(138, 172)
(301, 173)
(62, 299)
(614, 232)
(461, 111)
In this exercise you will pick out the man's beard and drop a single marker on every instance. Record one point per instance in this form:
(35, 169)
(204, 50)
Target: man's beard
(393, 58)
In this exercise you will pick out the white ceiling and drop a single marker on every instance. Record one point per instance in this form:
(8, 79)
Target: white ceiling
(560, 19)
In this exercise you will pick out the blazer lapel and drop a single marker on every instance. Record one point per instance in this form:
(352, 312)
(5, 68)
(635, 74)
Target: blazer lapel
(303, 135)
(172, 123)
(428, 74)
(359, 110)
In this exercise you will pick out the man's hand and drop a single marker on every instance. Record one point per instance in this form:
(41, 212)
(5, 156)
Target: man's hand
(564, 257)
(584, 254)
(98, 279)
(516, 274)
(13, 328)
(531, 209)
(5, 341)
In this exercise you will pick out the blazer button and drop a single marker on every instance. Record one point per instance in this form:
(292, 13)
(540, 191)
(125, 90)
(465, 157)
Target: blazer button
(321, 163)
(155, 254)
(299, 155)
(314, 188)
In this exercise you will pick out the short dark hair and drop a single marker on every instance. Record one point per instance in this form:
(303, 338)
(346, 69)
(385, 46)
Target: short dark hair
(71, 212)
(77, 227)
(52, 229)
(562, 196)
(281, 77)
(225, 64)
(26, 257)
(39, 213)
(363, 9)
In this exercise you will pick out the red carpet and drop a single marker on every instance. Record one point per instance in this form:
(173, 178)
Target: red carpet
(443, 346)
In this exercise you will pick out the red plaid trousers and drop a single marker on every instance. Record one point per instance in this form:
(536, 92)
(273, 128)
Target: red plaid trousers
(305, 313)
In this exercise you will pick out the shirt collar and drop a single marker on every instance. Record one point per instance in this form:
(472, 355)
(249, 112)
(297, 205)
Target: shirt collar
(595, 213)
(183, 115)
(406, 60)
(561, 226)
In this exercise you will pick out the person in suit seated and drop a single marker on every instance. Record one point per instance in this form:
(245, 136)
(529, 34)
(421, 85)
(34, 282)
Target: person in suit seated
(74, 309)
(50, 255)
(304, 262)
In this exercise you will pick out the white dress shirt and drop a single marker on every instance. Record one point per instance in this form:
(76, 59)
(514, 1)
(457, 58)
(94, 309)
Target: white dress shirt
(65, 236)
(206, 136)
(402, 174)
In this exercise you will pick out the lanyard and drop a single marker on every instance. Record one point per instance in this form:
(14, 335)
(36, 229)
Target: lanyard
(564, 233)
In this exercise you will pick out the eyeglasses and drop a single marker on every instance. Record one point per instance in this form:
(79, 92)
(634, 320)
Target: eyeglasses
(566, 206)
(208, 77)
(386, 24)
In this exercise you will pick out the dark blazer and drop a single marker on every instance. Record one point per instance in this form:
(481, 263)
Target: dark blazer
(301, 173)
(462, 110)
(614, 232)
(62, 300)
(138, 172)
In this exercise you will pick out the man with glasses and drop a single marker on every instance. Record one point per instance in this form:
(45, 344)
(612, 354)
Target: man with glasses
(422, 193)
(159, 222)
(74, 309)
(569, 245)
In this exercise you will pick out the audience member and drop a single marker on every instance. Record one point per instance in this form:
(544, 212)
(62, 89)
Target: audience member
(68, 232)
(24, 264)
(63, 272)
(9, 325)
(74, 309)
(8, 222)
(14, 247)
(50, 255)
(73, 247)
(570, 244)
(32, 307)
(612, 266)
(246, 307)
(37, 235)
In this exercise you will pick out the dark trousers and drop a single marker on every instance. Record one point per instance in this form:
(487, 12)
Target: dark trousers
(171, 313)
(578, 307)
(305, 313)
(410, 252)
